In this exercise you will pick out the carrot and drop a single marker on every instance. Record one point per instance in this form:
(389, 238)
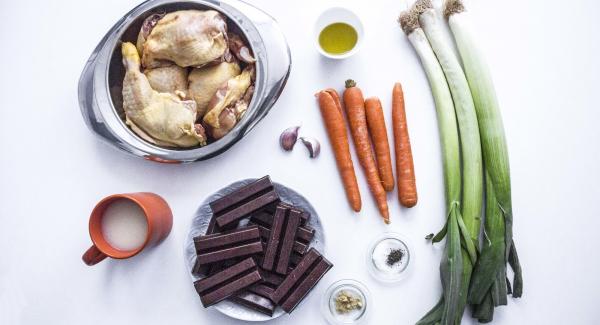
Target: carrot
(378, 131)
(355, 111)
(331, 111)
(405, 170)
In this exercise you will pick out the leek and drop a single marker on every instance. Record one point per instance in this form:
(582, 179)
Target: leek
(472, 165)
(495, 152)
(451, 267)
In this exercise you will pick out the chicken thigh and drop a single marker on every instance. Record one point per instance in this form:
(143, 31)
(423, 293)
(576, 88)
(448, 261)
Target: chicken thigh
(205, 82)
(186, 37)
(160, 118)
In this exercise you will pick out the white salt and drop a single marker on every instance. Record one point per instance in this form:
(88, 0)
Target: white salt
(124, 225)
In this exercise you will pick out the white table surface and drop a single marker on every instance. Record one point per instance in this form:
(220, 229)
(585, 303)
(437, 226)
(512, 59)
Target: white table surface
(544, 58)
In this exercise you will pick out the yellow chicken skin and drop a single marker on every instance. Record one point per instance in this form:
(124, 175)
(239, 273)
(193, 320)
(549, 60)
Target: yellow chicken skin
(190, 38)
(160, 118)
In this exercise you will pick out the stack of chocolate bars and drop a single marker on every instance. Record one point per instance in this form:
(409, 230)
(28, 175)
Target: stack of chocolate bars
(264, 264)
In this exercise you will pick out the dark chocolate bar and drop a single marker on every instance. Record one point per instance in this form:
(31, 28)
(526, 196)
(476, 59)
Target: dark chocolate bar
(281, 240)
(301, 280)
(270, 210)
(289, 236)
(262, 289)
(271, 279)
(234, 244)
(226, 283)
(212, 228)
(199, 269)
(210, 269)
(305, 233)
(299, 247)
(294, 260)
(255, 302)
(240, 203)
(254, 296)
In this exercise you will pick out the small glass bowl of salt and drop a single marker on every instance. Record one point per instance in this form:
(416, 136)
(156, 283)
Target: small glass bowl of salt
(389, 258)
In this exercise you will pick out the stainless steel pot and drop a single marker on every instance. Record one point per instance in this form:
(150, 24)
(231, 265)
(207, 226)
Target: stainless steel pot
(101, 80)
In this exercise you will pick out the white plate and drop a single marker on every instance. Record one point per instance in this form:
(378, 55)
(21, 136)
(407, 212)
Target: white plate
(200, 223)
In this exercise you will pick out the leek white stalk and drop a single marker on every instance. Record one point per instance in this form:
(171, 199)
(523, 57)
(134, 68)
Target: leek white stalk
(495, 152)
(445, 116)
(451, 267)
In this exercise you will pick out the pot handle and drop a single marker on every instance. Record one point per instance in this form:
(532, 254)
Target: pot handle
(278, 66)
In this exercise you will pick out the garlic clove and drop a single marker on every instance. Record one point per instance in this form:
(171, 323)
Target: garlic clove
(288, 138)
(313, 146)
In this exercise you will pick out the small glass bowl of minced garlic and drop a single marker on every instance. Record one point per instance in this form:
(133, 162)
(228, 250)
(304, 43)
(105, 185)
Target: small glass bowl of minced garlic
(346, 302)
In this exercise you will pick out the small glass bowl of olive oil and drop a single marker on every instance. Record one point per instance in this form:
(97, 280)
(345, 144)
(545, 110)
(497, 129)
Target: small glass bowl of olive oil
(339, 33)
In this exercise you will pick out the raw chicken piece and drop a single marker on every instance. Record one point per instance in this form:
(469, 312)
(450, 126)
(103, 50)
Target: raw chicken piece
(240, 49)
(186, 37)
(227, 120)
(160, 118)
(231, 115)
(170, 79)
(228, 94)
(147, 27)
(205, 82)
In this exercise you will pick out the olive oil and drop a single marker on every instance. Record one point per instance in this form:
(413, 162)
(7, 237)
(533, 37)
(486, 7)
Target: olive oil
(338, 38)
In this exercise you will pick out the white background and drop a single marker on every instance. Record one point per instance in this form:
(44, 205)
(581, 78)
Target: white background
(544, 58)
